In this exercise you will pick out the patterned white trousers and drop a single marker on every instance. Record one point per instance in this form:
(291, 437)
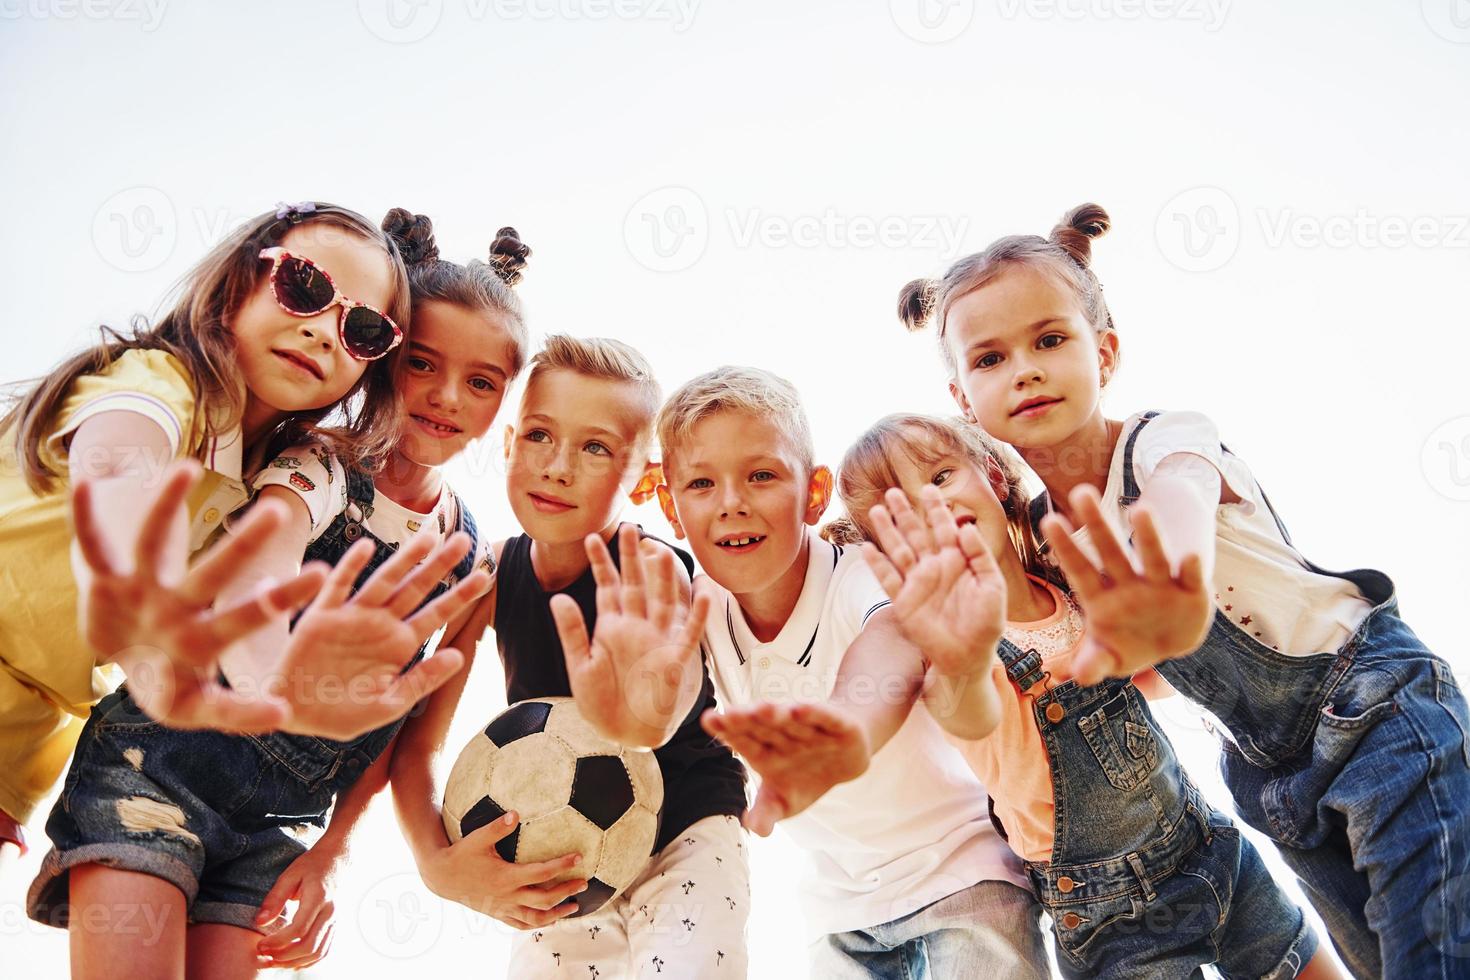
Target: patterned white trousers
(684, 918)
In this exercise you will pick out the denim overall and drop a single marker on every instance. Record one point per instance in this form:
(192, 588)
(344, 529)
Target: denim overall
(236, 804)
(1356, 762)
(1145, 880)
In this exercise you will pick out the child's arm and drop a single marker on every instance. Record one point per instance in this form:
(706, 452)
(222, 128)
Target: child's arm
(469, 871)
(1181, 497)
(1137, 614)
(636, 679)
(305, 939)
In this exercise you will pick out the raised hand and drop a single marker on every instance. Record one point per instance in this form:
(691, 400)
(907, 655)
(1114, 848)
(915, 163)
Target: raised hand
(1137, 610)
(307, 937)
(949, 597)
(800, 752)
(636, 677)
(339, 674)
(159, 622)
(524, 896)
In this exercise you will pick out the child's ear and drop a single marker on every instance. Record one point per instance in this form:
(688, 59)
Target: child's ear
(510, 437)
(958, 394)
(998, 481)
(819, 494)
(643, 490)
(666, 501)
(1107, 357)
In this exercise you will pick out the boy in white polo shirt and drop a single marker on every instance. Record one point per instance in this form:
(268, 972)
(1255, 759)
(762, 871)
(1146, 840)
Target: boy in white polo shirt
(909, 877)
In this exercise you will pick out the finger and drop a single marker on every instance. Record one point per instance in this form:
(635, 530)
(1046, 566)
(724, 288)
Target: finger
(693, 630)
(449, 605)
(484, 839)
(89, 537)
(153, 534)
(422, 580)
(234, 622)
(546, 872)
(893, 543)
(823, 719)
(941, 519)
(883, 570)
(763, 814)
(419, 681)
(548, 896)
(1192, 573)
(537, 919)
(217, 567)
(605, 574)
(1149, 545)
(571, 629)
(378, 590)
(311, 948)
(343, 577)
(300, 924)
(663, 591)
(275, 900)
(1082, 576)
(910, 524)
(977, 556)
(1117, 564)
(633, 595)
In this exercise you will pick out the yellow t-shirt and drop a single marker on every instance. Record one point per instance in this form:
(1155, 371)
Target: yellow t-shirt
(48, 676)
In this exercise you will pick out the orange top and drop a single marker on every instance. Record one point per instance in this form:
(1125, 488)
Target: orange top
(1012, 760)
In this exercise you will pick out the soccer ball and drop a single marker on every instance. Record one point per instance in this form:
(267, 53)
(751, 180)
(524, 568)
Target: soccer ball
(575, 791)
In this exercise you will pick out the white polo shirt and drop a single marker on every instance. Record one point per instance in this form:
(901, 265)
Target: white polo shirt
(915, 827)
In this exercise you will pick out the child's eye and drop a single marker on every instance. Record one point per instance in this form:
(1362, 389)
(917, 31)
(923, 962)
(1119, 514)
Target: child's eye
(988, 361)
(538, 435)
(700, 483)
(597, 449)
(762, 476)
(1051, 341)
(482, 384)
(942, 477)
(418, 364)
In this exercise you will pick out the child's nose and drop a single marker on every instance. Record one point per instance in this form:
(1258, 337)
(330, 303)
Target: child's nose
(320, 330)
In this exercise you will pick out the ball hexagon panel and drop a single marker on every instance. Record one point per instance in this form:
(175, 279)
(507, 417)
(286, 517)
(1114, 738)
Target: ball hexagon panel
(564, 832)
(626, 847)
(601, 791)
(647, 777)
(469, 781)
(533, 775)
(576, 731)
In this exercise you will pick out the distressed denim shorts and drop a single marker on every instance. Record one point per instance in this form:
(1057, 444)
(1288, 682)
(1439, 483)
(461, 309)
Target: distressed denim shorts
(216, 816)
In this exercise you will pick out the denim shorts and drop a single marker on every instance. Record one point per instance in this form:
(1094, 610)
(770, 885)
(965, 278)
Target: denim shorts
(1203, 896)
(215, 815)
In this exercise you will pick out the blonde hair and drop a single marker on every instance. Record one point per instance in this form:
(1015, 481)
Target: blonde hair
(196, 332)
(601, 357)
(1066, 253)
(867, 471)
(736, 389)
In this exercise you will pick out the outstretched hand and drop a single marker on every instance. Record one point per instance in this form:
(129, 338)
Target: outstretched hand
(641, 665)
(949, 597)
(800, 751)
(1138, 610)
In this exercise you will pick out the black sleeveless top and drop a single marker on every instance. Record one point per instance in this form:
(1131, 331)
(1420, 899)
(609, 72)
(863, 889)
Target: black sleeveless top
(701, 776)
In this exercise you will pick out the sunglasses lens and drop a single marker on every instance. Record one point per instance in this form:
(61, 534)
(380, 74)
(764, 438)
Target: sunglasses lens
(367, 334)
(301, 287)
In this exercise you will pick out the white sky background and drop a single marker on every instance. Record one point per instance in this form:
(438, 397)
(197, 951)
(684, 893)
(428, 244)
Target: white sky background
(1291, 243)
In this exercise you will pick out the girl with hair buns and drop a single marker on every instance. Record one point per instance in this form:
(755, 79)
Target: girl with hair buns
(149, 439)
(231, 809)
(1347, 738)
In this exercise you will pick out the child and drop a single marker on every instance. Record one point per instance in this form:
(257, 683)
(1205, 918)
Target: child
(1086, 786)
(580, 443)
(1347, 737)
(233, 806)
(908, 876)
(262, 344)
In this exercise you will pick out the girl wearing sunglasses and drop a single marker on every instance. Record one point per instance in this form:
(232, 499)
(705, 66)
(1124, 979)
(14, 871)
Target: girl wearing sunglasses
(286, 321)
(245, 799)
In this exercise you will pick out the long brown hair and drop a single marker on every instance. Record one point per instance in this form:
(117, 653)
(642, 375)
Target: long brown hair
(867, 471)
(1065, 253)
(195, 332)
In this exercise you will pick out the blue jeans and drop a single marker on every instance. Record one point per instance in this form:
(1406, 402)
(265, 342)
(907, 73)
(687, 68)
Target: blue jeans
(988, 930)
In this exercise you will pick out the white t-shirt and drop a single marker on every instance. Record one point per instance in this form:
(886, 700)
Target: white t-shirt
(1261, 582)
(911, 830)
(320, 480)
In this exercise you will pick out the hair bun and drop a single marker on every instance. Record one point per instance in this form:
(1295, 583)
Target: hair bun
(1078, 228)
(916, 303)
(508, 255)
(413, 234)
(842, 532)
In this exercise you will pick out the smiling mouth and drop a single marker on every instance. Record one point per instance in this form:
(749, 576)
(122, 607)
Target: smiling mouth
(1035, 406)
(437, 428)
(740, 543)
(306, 364)
(548, 504)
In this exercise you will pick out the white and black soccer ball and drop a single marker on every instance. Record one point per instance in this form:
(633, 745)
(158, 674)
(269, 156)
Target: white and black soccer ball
(575, 791)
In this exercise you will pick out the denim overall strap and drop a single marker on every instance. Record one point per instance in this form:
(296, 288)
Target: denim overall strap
(1023, 668)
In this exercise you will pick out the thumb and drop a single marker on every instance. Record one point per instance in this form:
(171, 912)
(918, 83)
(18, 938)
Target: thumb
(285, 888)
(485, 838)
(768, 808)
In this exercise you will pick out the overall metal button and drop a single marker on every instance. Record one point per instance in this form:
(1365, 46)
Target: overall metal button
(1055, 713)
(1071, 920)
(1065, 884)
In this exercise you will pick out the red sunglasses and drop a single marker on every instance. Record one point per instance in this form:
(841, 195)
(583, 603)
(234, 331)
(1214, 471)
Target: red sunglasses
(302, 288)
